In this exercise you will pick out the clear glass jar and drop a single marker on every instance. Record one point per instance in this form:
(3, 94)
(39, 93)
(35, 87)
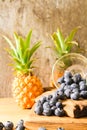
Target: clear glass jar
(73, 62)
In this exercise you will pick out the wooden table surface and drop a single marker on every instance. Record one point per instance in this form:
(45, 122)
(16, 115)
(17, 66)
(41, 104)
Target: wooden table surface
(9, 111)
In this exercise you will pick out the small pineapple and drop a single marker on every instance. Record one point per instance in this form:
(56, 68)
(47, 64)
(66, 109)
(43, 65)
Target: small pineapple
(26, 86)
(63, 46)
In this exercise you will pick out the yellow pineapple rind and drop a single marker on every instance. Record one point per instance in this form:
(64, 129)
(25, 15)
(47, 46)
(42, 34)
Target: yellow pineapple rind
(25, 89)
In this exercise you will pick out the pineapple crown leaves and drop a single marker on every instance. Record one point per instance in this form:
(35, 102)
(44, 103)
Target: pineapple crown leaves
(22, 53)
(63, 45)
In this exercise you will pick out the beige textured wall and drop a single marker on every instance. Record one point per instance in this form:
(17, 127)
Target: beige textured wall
(43, 16)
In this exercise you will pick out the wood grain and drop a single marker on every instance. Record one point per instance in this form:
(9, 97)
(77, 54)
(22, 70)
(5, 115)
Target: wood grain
(54, 126)
(75, 108)
(52, 123)
(10, 111)
(35, 121)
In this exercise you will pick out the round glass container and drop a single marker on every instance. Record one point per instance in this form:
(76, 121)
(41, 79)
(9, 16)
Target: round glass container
(73, 62)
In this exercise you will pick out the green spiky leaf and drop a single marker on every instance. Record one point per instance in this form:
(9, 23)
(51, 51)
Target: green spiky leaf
(63, 45)
(22, 53)
(27, 40)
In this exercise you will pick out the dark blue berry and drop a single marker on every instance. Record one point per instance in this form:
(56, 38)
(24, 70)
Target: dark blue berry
(52, 102)
(20, 127)
(75, 90)
(61, 95)
(21, 122)
(1, 125)
(47, 112)
(59, 112)
(8, 125)
(74, 85)
(67, 87)
(46, 105)
(67, 74)
(83, 94)
(68, 80)
(59, 105)
(67, 93)
(75, 96)
(43, 99)
(38, 103)
(83, 87)
(49, 97)
(60, 80)
(77, 78)
(41, 128)
(82, 82)
(53, 109)
(60, 128)
(38, 110)
(62, 87)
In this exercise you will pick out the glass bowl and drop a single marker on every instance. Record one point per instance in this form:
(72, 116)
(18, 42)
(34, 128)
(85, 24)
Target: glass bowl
(73, 62)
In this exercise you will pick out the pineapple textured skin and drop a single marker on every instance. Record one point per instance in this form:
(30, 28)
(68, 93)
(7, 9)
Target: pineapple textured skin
(25, 89)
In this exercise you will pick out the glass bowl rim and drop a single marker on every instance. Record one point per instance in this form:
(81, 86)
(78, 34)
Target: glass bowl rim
(69, 54)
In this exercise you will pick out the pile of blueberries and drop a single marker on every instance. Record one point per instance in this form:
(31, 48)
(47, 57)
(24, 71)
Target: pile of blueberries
(71, 87)
(8, 125)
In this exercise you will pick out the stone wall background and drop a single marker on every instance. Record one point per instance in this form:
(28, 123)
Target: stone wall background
(44, 17)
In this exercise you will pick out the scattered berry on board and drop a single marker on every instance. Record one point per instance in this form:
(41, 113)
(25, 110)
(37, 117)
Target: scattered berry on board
(8, 125)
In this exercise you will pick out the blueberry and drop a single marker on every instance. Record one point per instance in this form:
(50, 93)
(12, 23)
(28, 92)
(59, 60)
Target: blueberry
(60, 128)
(82, 82)
(1, 125)
(83, 94)
(59, 112)
(41, 128)
(67, 74)
(46, 105)
(77, 78)
(20, 127)
(47, 112)
(68, 80)
(61, 80)
(52, 102)
(56, 96)
(75, 96)
(74, 85)
(21, 122)
(62, 87)
(53, 109)
(38, 110)
(38, 103)
(43, 99)
(67, 93)
(75, 90)
(83, 87)
(61, 95)
(67, 87)
(59, 105)
(49, 97)
(8, 125)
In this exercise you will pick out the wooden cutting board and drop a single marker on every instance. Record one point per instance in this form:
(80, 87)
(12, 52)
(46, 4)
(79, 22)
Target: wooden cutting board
(35, 121)
(52, 122)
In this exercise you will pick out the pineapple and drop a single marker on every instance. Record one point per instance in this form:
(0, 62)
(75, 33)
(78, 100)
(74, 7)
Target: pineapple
(26, 86)
(62, 45)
